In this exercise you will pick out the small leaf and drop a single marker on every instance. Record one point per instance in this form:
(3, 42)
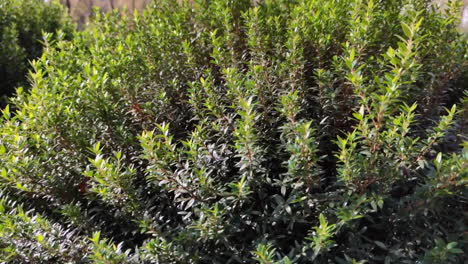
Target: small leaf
(421, 163)
(456, 251)
(288, 209)
(407, 30)
(357, 116)
(97, 147)
(190, 204)
(451, 245)
(6, 112)
(2, 150)
(438, 160)
(380, 245)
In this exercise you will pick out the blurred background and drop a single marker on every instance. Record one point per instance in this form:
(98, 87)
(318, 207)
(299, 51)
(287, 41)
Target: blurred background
(81, 10)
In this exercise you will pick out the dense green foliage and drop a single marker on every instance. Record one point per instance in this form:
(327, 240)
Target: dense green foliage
(292, 131)
(22, 23)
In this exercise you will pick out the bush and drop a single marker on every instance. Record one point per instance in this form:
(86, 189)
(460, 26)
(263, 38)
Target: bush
(289, 131)
(22, 23)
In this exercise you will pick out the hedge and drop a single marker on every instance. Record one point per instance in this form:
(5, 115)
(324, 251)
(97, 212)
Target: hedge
(22, 24)
(286, 131)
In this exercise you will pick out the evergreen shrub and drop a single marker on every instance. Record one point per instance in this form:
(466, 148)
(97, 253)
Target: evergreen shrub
(223, 131)
(22, 24)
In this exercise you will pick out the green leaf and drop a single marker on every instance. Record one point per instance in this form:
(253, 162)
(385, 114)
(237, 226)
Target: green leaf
(438, 160)
(456, 251)
(381, 245)
(2, 149)
(358, 116)
(452, 245)
(407, 30)
(6, 112)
